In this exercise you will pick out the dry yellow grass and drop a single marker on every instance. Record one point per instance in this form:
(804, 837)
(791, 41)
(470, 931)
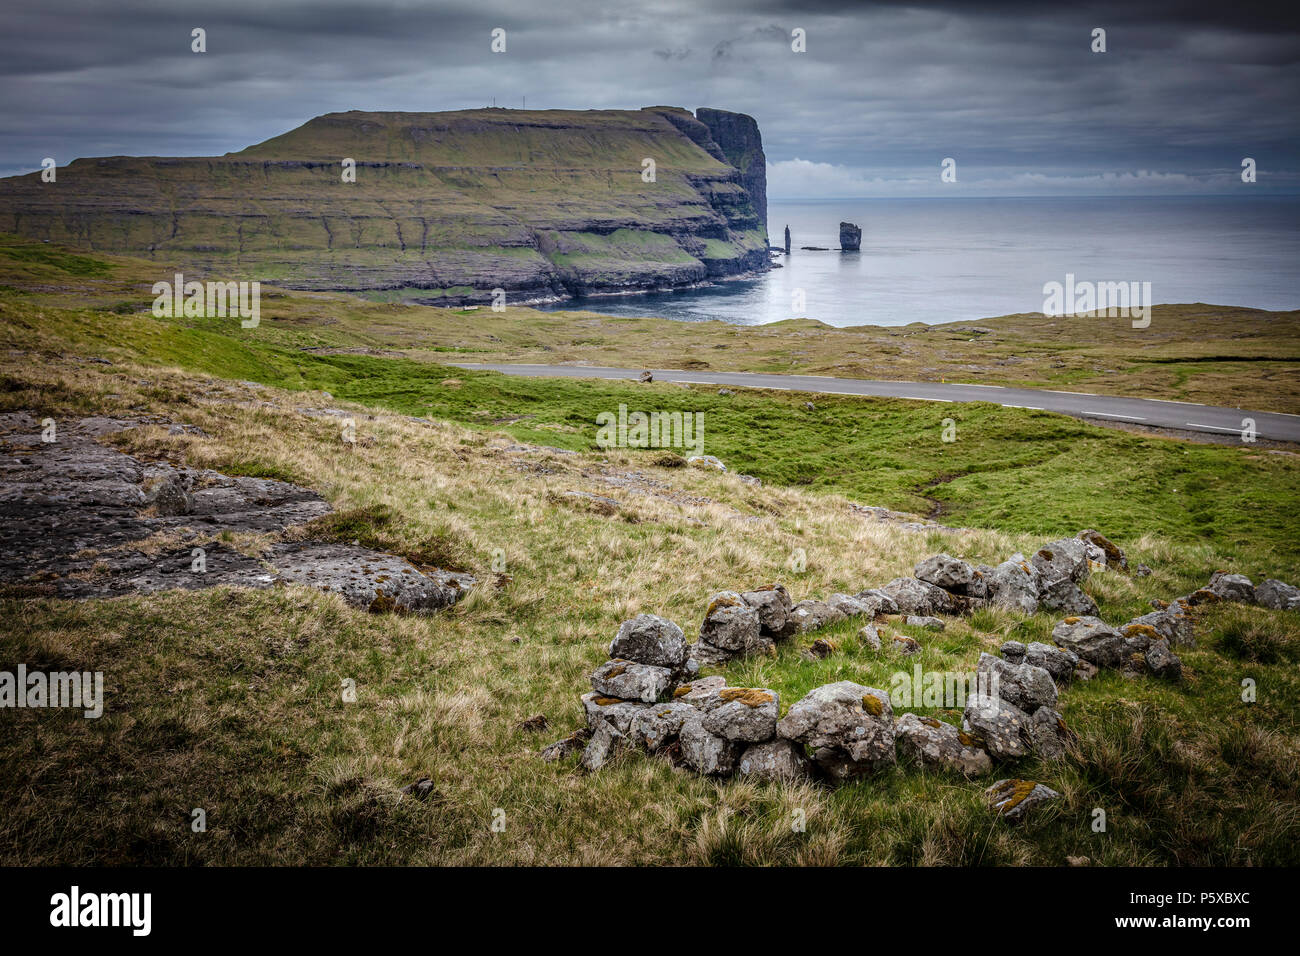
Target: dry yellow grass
(230, 700)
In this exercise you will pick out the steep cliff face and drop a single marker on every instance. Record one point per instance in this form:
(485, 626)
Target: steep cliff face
(445, 207)
(741, 143)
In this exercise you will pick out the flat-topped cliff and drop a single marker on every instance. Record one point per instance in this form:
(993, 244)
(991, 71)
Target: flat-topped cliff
(445, 207)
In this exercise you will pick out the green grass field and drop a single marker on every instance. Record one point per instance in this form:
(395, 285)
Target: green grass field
(228, 700)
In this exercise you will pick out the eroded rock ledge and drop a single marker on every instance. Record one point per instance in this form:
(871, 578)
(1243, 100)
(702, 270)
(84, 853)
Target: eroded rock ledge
(84, 520)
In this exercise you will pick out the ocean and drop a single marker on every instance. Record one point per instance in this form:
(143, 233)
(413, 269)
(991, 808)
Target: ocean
(947, 260)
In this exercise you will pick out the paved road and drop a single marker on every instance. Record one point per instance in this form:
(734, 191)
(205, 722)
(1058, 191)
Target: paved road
(1152, 412)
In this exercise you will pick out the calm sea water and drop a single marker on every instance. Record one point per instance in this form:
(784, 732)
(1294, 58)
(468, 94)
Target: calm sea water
(944, 260)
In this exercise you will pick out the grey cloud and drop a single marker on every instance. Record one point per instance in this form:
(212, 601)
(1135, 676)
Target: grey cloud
(1185, 86)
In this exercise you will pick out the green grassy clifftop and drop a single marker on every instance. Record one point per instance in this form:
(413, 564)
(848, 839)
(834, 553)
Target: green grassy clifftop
(445, 206)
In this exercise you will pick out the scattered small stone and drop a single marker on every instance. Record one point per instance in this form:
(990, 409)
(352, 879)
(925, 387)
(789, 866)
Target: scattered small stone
(907, 646)
(869, 636)
(706, 461)
(1278, 595)
(1012, 799)
(572, 744)
(534, 724)
(1163, 662)
(822, 648)
(606, 743)
(1013, 652)
(420, 789)
(929, 623)
(1232, 587)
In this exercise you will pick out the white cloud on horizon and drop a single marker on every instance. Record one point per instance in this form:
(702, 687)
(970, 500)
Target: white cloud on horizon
(805, 179)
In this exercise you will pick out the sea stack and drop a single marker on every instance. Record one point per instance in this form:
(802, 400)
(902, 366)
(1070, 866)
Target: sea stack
(787, 240)
(850, 237)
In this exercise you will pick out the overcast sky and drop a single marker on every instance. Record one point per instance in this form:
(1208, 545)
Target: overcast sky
(884, 92)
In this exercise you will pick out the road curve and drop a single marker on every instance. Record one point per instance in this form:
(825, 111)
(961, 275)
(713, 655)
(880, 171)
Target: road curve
(1151, 412)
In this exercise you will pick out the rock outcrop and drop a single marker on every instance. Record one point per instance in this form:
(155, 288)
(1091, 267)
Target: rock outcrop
(850, 237)
(77, 516)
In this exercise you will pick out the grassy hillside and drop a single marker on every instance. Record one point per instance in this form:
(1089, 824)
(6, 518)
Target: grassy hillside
(229, 701)
(441, 203)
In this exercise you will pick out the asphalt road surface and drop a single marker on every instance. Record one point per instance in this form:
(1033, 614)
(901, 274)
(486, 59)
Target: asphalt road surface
(1150, 412)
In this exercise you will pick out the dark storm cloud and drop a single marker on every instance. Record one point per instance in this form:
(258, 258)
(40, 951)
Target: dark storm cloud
(883, 93)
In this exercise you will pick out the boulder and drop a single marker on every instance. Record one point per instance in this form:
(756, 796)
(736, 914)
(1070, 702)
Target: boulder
(570, 745)
(650, 639)
(1067, 597)
(1013, 652)
(869, 637)
(704, 654)
(706, 461)
(945, 571)
(1232, 587)
(812, 615)
(1022, 685)
(1063, 560)
(907, 646)
(732, 625)
(1000, 728)
(773, 606)
(1137, 638)
(979, 584)
(1278, 595)
(1163, 662)
(1011, 800)
(848, 606)
(617, 713)
(657, 726)
(1198, 598)
(845, 723)
(1048, 734)
(1057, 662)
(165, 492)
(822, 648)
(704, 752)
(774, 761)
(631, 681)
(934, 745)
(877, 601)
(914, 596)
(1014, 584)
(606, 743)
(1091, 638)
(1172, 623)
(1113, 555)
(929, 623)
(746, 714)
(699, 690)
